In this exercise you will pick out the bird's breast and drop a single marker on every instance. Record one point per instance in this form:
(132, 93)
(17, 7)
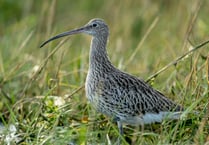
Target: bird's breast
(93, 88)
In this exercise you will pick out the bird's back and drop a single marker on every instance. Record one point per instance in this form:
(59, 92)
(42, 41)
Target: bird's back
(120, 95)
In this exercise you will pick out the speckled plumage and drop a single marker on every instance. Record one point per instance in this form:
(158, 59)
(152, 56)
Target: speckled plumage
(117, 94)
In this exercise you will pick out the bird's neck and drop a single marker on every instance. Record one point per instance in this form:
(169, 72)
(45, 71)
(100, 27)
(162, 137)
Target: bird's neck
(98, 59)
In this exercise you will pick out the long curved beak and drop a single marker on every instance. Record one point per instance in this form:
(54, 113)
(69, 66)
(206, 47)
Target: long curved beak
(76, 31)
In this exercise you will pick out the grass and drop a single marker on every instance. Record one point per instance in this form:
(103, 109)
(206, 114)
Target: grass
(42, 99)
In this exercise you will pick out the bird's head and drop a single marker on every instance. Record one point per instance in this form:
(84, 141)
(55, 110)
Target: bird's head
(95, 27)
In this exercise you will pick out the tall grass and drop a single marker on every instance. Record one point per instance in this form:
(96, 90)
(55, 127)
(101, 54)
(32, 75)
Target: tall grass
(42, 97)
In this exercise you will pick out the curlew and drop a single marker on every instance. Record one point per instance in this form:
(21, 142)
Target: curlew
(119, 95)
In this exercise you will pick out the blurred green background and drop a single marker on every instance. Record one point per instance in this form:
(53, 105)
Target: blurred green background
(145, 35)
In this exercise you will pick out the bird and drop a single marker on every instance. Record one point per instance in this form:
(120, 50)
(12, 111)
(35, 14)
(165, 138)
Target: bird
(119, 95)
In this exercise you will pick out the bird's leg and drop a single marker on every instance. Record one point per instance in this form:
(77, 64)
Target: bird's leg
(119, 123)
(120, 128)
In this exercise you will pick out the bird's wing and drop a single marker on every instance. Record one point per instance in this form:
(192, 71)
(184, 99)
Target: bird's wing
(136, 96)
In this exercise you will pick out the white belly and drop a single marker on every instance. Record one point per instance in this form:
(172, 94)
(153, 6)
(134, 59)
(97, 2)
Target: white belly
(149, 118)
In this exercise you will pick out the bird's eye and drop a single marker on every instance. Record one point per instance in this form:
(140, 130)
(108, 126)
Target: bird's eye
(94, 25)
